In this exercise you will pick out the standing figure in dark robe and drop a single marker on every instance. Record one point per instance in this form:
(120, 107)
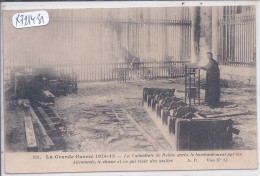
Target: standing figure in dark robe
(212, 93)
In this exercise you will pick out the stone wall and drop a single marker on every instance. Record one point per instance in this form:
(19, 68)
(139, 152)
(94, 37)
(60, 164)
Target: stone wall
(243, 74)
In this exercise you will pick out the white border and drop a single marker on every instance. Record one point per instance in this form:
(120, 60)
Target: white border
(127, 4)
(1, 95)
(117, 4)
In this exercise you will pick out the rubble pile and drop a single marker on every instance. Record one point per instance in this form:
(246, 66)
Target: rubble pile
(42, 84)
(36, 90)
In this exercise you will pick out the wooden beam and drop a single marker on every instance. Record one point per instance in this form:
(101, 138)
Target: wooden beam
(48, 140)
(46, 118)
(229, 114)
(54, 112)
(30, 136)
(48, 94)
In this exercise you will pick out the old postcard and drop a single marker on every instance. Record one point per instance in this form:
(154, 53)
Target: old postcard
(129, 89)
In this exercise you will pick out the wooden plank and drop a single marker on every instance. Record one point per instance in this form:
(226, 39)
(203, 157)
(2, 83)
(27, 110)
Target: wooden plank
(46, 118)
(54, 123)
(48, 140)
(229, 114)
(48, 94)
(54, 112)
(29, 131)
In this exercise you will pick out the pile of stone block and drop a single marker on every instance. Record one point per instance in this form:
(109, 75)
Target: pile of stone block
(190, 129)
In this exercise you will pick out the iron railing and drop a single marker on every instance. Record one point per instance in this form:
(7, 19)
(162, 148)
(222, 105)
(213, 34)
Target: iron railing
(114, 71)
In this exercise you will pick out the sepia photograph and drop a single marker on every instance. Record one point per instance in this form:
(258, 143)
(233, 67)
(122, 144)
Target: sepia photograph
(143, 79)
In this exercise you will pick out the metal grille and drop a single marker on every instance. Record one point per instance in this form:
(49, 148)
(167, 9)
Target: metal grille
(237, 40)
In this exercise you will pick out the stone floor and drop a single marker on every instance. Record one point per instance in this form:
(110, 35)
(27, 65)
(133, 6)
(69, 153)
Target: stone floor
(109, 116)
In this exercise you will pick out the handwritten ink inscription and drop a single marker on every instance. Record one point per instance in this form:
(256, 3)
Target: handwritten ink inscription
(30, 19)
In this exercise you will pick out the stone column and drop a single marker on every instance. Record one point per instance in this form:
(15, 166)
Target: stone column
(206, 33)
(215, 32)
(208, 28)
(195, 33)
(165, 44)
